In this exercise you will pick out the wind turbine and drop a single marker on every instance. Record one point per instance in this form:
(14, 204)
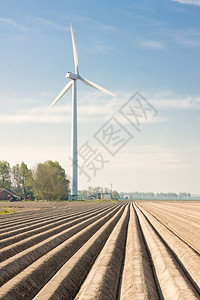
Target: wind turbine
(73, 84)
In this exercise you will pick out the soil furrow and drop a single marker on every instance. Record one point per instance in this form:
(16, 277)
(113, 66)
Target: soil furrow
(188, 232)
(185, 256)
(106, 251)
(103, 279)
(137, 278)
(173, 283)
(15, 264)
(67, 281)
(23, 244)
(26, 231)
(41, 271)
(46, 217)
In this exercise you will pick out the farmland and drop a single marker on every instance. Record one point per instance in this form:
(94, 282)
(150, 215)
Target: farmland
(140, 250)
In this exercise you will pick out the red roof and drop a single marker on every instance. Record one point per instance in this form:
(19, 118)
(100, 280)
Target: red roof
(9, 191)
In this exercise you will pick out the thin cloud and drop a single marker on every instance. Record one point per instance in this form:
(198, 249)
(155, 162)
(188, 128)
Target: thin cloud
(88, 111)
(189, 42)
(151, 157)
(92, 108)
(188, 38)
(51, 24)
(97, 107)
(189, 2)
(174, 102)
(103, 48)
(108, 28)
(13, 23)
(152, 44)
(94, 24)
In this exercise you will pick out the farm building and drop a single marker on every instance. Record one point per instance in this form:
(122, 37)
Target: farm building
(6, 194)
(106, 196)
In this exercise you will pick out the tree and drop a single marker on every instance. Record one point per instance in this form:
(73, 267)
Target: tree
(83, 194)
(49, 181)
(106, 190)
(115, 194)
(90, 190)
(5, 174)
(16, 178)
(97, 189)
(22, 179)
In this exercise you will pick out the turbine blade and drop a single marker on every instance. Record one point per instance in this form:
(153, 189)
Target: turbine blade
(96, 86)
(74, 50)
(66, 88)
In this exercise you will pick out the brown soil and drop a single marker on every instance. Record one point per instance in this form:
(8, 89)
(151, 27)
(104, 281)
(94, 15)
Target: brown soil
(69, 250)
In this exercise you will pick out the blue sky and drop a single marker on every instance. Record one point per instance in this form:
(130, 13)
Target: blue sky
(149, 46)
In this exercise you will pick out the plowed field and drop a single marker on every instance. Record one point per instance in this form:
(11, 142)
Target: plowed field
(141, 250)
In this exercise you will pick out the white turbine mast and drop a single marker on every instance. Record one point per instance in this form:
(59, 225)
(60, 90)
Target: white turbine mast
(73, 83)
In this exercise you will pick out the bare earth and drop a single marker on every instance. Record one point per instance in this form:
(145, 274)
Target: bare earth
(83, 250)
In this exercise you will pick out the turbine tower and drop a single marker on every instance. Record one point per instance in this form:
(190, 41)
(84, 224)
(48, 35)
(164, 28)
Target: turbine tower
(73, 84)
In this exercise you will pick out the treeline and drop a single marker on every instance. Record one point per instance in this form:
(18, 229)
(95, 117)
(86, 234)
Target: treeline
(47, 181)
(96, 191)
(152, 196)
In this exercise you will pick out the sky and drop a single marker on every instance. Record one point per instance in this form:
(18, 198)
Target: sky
(146, 52)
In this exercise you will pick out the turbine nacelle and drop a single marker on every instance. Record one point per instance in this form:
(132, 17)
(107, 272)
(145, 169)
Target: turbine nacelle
(72, 76)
